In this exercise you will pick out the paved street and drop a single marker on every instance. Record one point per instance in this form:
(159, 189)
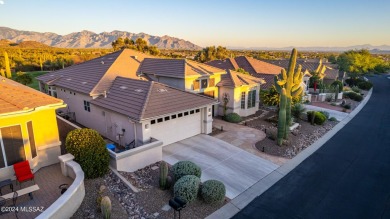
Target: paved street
(349, 177)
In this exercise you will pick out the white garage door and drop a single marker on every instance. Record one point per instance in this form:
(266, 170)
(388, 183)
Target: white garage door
(177, 129)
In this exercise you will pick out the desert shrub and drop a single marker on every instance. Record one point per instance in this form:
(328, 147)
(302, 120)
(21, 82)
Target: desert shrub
(233, 118)
(326, 114)
(319, 117)
(213, 191)
(365, 85)
(328, 97)
(356, 89)
(89, 150)
(340, 85)
(183, 168)
(187, 188)
(353, 81)
(347, 106)
(297, 110)
(353, 96)
(333, 119)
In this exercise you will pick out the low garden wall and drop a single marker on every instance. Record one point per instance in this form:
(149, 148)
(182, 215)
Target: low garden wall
(68, 203)
(136, 158)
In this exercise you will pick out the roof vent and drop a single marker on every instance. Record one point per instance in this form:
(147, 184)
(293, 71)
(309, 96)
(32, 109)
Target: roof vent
(102, 62)
(69, 79)
(123, 87)
(161, 90)
(139, 90)
(84, 82)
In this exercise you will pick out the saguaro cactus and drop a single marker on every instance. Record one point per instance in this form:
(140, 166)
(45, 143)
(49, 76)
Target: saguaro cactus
(292, 82)
(106, 207)
(163, 174)
(282, 127)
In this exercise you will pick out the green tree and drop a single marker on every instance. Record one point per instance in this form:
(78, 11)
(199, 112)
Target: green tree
(141, 45)
(212, 53)
(359, 62)
(7, 65)
(23, 78)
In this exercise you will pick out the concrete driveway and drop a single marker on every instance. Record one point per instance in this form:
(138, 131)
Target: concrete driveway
(236, 168)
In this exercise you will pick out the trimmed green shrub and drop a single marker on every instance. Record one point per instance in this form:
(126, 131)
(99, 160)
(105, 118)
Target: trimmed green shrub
(353, 81)
(326, 114)
(355, 89)
(213, 191)
(89, 150)
(187, 188)
(233, 118)
(347, 106)
(297, 110)
(353, 96)
(340, 85)
(333, 119)
(365, 85)
(319, 117)
(329, 97)
(183, 168)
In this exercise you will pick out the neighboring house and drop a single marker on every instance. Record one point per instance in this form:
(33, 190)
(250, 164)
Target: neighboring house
(256, 68)
(184, 74)
(28, 127)
(146, 110)
(77, 85)
(241, 91)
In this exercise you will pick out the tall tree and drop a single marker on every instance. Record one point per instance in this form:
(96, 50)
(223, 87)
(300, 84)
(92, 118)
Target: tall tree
(212, 53)
(7, 65)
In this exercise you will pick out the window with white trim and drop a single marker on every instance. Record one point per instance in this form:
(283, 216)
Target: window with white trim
(242, 100)
(87, 106)
(12, 146)
(251, 98)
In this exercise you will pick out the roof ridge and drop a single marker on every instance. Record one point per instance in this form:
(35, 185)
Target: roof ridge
(151, 84)
(183, 91)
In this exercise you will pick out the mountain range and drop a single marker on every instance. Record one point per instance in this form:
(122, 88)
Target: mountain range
(320, 48)
(88, 39)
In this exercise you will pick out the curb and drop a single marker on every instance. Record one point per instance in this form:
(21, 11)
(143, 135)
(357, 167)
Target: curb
(242, 200)
(124, 180)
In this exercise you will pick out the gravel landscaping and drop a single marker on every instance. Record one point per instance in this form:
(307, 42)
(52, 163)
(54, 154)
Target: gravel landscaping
(153, 199)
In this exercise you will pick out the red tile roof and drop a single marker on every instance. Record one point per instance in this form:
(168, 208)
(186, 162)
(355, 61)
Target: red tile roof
(95, 76)
(16, 97)
(148, 99)
(177, 68)
(237, 79)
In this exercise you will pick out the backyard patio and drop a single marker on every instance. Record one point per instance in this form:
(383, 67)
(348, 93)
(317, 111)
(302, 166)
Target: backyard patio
(48, 179)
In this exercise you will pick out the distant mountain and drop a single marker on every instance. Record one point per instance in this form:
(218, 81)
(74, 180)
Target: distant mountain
(320, 49)
(88, 39)
(24, 44)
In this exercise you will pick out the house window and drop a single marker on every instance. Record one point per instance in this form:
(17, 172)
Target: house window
(185, 113)
(212, 82)
(242, 100)
(31, 139)
(192, 112)
(153, 122)
(251, 98)
(87, 106)
(12, 146)
(180, 115)
(173, 116)
(167, 118)
(197, 110)
(203, 83)
(159, 120)
(196, 85)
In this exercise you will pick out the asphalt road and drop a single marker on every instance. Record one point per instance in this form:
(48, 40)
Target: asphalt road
(348, 177)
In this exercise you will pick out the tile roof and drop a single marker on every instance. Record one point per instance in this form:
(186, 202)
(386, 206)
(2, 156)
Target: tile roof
(16, 97)
(331, 74)
(256, 68)
(310, 65)
(177, 68)
(237, 79)
(140, 100)
(96, 75)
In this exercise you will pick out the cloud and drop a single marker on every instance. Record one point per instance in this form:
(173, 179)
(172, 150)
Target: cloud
(1, 2)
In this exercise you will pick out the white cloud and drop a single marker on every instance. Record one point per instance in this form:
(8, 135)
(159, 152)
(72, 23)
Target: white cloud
(1, 2)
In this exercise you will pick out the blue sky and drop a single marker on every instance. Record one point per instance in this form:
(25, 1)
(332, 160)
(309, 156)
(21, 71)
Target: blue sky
(246, 23)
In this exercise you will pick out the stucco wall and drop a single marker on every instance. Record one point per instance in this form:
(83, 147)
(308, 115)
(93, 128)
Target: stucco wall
(68, 203)
(136, 158)
(173, 82)
(234, 104)
(46, 138)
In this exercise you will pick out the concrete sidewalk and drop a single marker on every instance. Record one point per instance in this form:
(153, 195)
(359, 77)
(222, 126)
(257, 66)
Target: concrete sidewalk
(242, 200)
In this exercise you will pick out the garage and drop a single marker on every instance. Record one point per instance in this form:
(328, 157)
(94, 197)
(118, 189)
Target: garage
(177, 127)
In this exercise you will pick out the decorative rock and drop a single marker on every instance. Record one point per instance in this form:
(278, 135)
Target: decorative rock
(166, 207)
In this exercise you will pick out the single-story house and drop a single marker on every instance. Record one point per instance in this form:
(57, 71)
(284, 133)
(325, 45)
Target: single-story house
(28, 127)
(256, 68)
(141, 110)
